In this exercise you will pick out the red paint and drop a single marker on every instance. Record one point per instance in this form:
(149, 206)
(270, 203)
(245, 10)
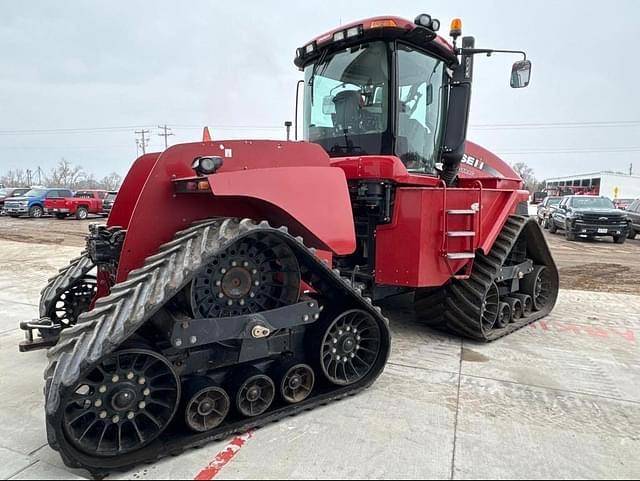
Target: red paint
(223, 457)
(591, 331)
(326, 222)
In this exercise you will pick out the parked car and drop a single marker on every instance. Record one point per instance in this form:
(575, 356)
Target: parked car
(108, 203)
(546, 208)
(633, 213)
(622, 203)
(10, 192)
(80, 205)
(32, 203)
(589, 216)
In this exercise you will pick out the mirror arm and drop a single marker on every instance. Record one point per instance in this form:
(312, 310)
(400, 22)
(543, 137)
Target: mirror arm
(488, 51)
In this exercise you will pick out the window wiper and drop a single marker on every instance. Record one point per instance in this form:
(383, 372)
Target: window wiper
(322, 58)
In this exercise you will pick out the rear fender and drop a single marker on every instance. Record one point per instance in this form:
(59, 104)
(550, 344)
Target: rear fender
(131, 188)
(261, 181)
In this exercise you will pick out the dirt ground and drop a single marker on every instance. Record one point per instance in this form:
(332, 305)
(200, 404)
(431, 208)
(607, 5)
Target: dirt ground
(595, 265)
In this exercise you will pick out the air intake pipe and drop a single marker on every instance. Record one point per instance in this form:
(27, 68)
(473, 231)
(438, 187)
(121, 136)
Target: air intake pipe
(455, 133)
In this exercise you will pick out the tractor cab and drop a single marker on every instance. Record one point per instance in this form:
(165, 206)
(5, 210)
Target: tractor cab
(388, 86)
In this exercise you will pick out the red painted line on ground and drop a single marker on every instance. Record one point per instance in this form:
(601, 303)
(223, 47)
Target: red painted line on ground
(223, 457)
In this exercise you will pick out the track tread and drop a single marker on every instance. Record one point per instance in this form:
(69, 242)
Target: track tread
(456, 308)
(120, 314)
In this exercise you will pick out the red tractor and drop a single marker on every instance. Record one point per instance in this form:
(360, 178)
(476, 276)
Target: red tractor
(236, 279)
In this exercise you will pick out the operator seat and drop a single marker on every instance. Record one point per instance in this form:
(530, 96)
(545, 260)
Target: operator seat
(348, 110)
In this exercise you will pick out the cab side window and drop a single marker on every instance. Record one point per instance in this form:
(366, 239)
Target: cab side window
(53, 194)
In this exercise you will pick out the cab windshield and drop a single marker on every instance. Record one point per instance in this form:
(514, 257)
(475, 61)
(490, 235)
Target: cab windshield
(35, 193)
(346, 105)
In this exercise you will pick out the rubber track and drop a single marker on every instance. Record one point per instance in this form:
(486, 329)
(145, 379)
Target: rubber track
(456, 308)
(131, 303)
(63, 280)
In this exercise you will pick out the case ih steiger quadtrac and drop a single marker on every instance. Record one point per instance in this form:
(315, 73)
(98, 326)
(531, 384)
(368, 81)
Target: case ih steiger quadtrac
(234, 279)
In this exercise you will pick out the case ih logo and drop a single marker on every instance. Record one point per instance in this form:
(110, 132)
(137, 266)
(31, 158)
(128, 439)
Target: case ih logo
(473, 162)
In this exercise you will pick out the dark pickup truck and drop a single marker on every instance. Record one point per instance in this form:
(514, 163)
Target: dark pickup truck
(633, 213)
(107, 204)
(10, 192)
(589, 216)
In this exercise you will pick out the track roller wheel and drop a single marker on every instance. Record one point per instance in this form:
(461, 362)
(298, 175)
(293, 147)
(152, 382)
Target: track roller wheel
(504, 315)
(295, 380)
(490, 308)
(527, 303)
(255, 394)
(350, 347)
(207, 405)
(123, 404)
(538, 285)
(516, 308)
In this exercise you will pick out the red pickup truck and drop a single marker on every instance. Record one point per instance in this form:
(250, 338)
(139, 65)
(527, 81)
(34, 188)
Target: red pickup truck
(83, 203)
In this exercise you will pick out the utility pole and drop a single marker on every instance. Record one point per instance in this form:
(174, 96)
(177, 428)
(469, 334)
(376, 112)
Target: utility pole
(631, 168)
(166, 134)
(29, 177)
(143, 141)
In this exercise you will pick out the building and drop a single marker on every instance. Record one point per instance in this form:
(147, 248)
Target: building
(607, 184)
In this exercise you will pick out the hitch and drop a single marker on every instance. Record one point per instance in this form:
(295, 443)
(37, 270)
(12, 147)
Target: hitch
(31, 343)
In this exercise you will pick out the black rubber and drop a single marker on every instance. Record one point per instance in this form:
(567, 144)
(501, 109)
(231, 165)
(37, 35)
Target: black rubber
(457, 307)
(117, 317)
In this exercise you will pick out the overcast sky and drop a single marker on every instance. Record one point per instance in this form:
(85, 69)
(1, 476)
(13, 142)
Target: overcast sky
(126, 65)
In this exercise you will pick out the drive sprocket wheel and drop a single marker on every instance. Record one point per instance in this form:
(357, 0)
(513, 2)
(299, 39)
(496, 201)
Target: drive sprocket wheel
(122, 404)
(252, 275)
(350, 347)
(70, 304)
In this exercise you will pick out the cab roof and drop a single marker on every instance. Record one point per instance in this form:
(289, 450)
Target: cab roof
(378, 28)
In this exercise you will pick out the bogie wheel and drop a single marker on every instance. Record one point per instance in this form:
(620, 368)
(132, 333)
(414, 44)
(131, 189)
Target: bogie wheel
(490, 308)
(526, 302)
(252, 275)
(516, 308)
(123, 404)
(255, 394)
(295, 381)
(71, 303)
(350, 347)
(504, 315)
(207, 405)
(538, 285)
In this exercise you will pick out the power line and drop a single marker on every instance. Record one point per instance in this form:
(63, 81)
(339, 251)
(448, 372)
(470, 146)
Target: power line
(79, 130)
(143, 142)
(554, 125)
(166, 134)
(568, 151)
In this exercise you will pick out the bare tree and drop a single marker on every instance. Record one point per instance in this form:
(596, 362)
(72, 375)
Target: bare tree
(111, 181)
(527, 175)
(66, 175)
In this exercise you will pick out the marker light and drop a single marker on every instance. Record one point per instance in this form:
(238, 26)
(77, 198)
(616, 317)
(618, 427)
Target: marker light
(354, 31)
(456, 28)
(383, 23)
(338, 36)
(310, 48)
(206, 165)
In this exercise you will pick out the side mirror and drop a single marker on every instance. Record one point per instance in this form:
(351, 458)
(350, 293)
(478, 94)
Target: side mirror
(520, 74)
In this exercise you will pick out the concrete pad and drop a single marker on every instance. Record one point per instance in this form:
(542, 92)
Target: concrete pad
(594, 353)
(12, 463)
(415, 345)
(22, 402)
(42, 470)
(12, 313)
(400, 428)
(519, 432)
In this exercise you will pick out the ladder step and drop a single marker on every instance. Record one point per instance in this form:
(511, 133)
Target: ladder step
(461, 212)
(461, 233)
(454, 256)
